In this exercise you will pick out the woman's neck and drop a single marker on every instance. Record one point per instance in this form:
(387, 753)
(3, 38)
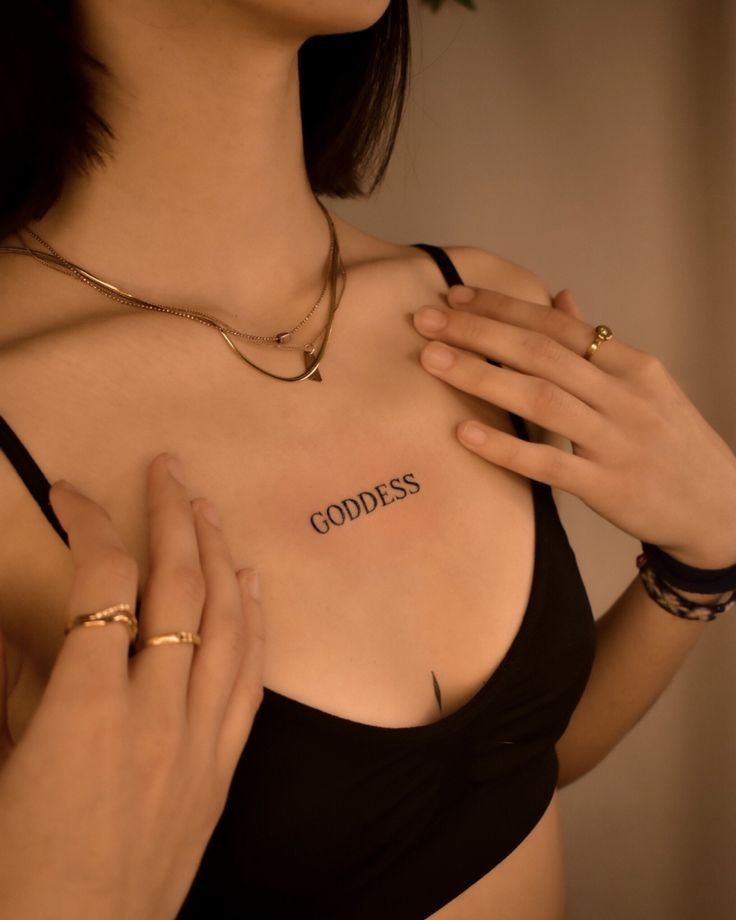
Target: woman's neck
(205, 201)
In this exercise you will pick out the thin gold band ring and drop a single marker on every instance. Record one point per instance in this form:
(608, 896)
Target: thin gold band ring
(171, 638)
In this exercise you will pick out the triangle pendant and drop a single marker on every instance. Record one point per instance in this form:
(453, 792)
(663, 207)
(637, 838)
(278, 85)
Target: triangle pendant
(309, 361)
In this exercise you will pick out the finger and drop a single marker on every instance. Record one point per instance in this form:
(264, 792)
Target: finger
(565, 302)
(615, 357)
(175, 590)
(525, 350)
(105, 574)
(217, 659)
(247, 692)
(530, 397)
(542, 462)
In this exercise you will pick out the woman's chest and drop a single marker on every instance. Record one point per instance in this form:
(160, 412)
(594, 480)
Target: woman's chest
(395, 564)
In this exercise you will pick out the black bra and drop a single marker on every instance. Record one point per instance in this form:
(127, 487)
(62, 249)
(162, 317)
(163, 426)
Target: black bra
(334, 819)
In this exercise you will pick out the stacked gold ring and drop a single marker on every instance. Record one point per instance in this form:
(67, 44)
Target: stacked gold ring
(118, 613)
(121, 613)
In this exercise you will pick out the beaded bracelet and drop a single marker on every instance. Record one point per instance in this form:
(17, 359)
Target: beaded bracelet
(670, 600)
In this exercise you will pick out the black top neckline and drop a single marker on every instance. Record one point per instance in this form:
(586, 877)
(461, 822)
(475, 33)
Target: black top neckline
(39, 486)
(459, 716)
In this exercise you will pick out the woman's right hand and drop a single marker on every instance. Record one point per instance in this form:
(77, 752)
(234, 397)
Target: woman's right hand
(109, 798)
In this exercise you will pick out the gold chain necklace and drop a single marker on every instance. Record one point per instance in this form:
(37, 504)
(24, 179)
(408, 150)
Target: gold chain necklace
(279, 340)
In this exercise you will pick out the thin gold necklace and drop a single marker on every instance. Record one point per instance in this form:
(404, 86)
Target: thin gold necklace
(279, 340)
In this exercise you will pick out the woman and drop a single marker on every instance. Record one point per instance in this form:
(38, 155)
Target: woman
(428, 633)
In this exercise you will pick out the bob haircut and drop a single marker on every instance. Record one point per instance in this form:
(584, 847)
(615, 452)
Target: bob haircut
(353, 90)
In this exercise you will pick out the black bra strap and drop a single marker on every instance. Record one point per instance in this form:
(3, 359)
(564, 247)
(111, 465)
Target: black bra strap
(445, 263)
(29, 471)
(452, 276)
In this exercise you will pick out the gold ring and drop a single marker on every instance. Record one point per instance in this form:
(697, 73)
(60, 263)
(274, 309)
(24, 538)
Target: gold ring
(602, 334)
(118, 613)
(172, 638)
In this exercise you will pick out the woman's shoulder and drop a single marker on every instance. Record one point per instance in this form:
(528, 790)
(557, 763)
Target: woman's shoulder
(34, 304)
(476, 265)
(480, 267)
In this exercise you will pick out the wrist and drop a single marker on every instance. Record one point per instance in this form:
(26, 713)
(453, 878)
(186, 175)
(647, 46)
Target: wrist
(703, 560)
(722, 555)
(712, 544)
(683, 601)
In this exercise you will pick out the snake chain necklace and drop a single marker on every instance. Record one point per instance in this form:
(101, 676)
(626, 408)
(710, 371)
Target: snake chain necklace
(312, 356)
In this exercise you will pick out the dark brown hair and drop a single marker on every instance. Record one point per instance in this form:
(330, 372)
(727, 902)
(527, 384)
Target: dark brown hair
(352, 87)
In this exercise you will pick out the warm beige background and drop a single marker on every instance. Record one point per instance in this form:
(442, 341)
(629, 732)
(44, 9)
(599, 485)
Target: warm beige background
(594, 141)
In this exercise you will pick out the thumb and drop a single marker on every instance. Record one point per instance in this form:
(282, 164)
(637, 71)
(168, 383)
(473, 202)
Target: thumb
(6, 742)
(566, 303)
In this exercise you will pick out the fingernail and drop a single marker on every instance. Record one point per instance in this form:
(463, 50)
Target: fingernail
(438, 356)
(473, 434)
(430, 319)
(63, 484)
(461, 293)
(253, 584)
(175, 468)
(209, 512)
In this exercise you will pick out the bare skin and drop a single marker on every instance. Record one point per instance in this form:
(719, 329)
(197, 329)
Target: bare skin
(110, 798)
(207, 203)
(350, 631)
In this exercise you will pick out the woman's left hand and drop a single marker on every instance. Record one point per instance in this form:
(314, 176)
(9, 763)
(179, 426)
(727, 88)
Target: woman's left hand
(643, 457)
